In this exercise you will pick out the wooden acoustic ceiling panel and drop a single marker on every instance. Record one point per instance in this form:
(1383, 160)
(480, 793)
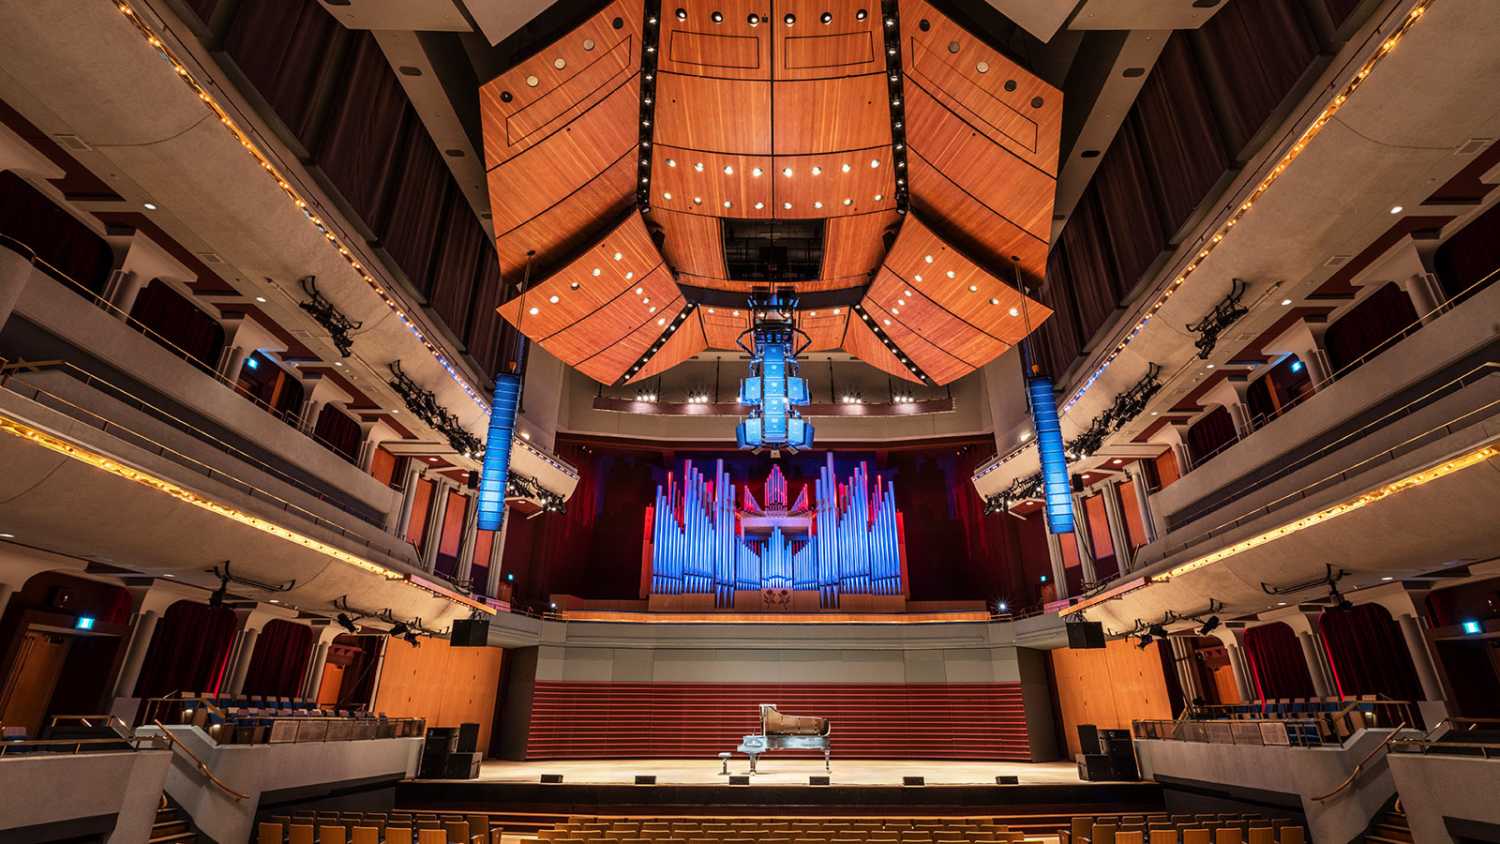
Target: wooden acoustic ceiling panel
(861, 342)
(559, 139)
(824, 326)
(681, 345)
(603, 309)
(948, 313)
(982, 138)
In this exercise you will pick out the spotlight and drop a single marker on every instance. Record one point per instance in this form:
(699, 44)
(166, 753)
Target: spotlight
(1158, 631)
(1209, 625)
(346, 622)
(411, 639)
(216, 598)
(1143, 641)
(1002, 606)
(399, 629)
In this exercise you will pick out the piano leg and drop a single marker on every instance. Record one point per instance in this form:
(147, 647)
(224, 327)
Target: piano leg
(828, 759)
(752, 762)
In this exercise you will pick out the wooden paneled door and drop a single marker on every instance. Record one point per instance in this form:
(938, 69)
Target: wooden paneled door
(33, 676)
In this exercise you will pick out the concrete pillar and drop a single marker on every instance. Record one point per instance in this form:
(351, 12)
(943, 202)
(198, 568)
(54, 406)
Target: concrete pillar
(1083, 540)
(1423, 290)
(497, 559)
(15, 272)
(1175, 435)
(234, 363)
(311, 410)
(135, 653)
(367, 444)
(437, 510)
(408, 495)
(1119, 532)
(125, 287)
(1142, 498)
(1059, 565)
(470, 539)
(1421, 657)
(1242, 682)
(1305, 340)
(1184, 660)
(242, 658)
(1314, 660)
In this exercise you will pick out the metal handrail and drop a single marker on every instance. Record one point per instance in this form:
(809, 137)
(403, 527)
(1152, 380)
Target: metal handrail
(1358, 769)
(92, 380)
(177, 744)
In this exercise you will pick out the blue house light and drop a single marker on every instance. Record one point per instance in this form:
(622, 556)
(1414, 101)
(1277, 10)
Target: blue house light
(1049, 442)
(1296, 366)
(1472, 628)
(496, 471)
(83, 622)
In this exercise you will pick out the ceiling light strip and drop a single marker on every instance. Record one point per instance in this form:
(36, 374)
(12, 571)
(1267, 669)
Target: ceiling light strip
(890, 345)
(1411, 481)
(891, 24)
(114, 467)
(661, 341)
(1326, 115)
(302, 204)
(650, 38)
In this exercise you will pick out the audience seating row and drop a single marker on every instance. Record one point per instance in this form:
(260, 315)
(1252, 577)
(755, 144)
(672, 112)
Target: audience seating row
(258, 720)
(782, 830)
(376, 828)
(1183, 829)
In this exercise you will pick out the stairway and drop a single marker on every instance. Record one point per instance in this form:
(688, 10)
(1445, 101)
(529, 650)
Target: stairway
(172, 825)
(1389, 826)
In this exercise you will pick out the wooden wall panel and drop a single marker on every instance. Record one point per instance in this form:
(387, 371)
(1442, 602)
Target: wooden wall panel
(730, 48)
(600, 278)
(987, 235)
(927, 349)
(824, 327)
(859, 181)
(991, 173)
(690, 182)
(998, 98)
(693, 245)
(550, 171)
(905, 303)
(566, 227)
(832, 114)
(613, 322)
(446, 685)
(1109, 687)
(721, 115)
(721, 326)
(861, 342)
(612, 362)
(537, 97)
(696, 720)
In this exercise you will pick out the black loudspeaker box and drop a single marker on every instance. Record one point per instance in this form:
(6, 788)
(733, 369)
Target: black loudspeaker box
(470, 633)
(1088, 739)
(1093, 767)
(739, 779)
(1085, 634)
(552, 779)
(645, 779)
(1007, 780)
(441, 737)
(819, 779)
(468, 738)
(1077, 483)
(472, 481)
(913, 780)
(1121, 752)
(462, 766)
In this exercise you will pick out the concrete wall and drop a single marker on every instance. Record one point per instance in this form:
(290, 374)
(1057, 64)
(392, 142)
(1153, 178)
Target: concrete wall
(1299, 773)
(36, 790)
(256, 770)
(1436, 787)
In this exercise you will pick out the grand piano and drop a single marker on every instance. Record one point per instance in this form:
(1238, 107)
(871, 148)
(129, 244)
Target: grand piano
(788, 732)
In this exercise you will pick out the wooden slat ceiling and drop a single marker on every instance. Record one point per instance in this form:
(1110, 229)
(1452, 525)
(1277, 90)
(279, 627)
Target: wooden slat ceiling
(759, 118)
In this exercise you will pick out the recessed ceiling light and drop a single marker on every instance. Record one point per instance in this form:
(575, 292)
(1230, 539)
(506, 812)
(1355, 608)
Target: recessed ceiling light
(848, 201)
(432, 460)
(646, 300)
(640, 290)
(1397, 209)
(845, 167)
(1155, 413)
(275, 601)
(575, 285)
(535, 311)
(1015, 312)
(698, 166)
(896, 311)
(787, 172)
(1210, 366)
(901, 302)
(759, 205)
(906, 293)
(651, 310)
(756, 172)
(553, 299)
(817, 171)
(917, 278)
(837, 311)
(338, 363)
(736, 313)
(671, 162)
(927, 258)
(973, 288)
(787, 205)
(697, 200)
(1118, 462)
(260, 299)
(874, 163)
(710, 310)
(952, 274)
(879, 196)
(1387, 579)
(728, 204)
(1285, 302)
(619, 255)
(994, 301)
(526, 435)
(887, 322)
(662, 321)
(817, 203)
(596, 272)
(667, 195)
(630, 275)
(729, 169)
(150, 206)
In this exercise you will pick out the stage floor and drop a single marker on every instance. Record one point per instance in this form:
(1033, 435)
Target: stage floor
(774, 771)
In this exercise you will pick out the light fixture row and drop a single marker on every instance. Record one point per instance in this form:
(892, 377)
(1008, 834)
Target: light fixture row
(890, 345)
(669, 328)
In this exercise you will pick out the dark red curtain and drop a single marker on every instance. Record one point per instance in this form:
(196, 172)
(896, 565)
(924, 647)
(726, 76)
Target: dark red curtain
(1060, 339)
(1090, 266)
(361, 146)
(188, 651)
(1129, 209)
(488, 335)
(1210, 433)
(1471, 255)
(280, 659)
(57, 237)
(169, 314)
(358, 686)
(1236, 46)
(1277, 662)
(285, 49)
(1376, 319)
(1178, 132)
(1340, 10)
(1368, 653)
(457, 263)
(339, 433)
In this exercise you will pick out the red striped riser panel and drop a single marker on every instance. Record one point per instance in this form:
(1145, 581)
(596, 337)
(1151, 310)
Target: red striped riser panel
(982, 721)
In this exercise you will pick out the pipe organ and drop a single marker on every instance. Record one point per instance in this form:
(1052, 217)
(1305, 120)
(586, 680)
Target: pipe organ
(787, 554)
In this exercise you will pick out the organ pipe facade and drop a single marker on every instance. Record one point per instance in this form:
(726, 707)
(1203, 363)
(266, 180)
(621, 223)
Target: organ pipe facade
(848, 541)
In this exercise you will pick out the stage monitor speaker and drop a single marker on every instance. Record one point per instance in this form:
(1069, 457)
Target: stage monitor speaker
(913, 780)
(645, 779)
(1085, 634)
(468, 738)
(739, 779)
(819, 779)
(462, 766)
(1004, 779)
(470, 633)
(552, 779)
(1118, 746)
(1093, 767)
(1088, 739)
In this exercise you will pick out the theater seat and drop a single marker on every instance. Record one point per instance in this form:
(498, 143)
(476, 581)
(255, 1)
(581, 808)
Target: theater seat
(268, 833)
(1163, 836)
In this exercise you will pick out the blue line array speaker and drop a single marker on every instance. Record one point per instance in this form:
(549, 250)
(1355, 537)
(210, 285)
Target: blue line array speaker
(1049, 442)
(497, 451)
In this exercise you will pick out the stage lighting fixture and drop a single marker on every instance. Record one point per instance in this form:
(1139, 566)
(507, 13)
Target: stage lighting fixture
(1143, 641)
(1157, 631)
(411, 639)
(1209, 625)
(1340, 603)
(346, 622)
(216, 598)
(400, 629)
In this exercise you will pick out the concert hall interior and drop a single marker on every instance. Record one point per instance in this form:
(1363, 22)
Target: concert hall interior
(800, 421)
